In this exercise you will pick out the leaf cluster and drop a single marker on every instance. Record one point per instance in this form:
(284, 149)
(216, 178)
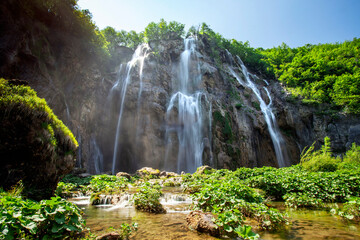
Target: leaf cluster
(48, 219)
(324, 73)
(107, 184)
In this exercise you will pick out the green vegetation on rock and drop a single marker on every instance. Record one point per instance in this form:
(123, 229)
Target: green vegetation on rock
(147, 198)
(13, 96)
(36, 146)
(324, 73)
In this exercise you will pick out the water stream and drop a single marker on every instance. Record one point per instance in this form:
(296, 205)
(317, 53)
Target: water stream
(304, 224)
(266, 109)
(186, 116)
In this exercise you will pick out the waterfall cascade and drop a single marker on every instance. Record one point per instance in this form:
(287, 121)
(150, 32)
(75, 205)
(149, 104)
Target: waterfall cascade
(266, 109)
(123, 80)
(186, 116)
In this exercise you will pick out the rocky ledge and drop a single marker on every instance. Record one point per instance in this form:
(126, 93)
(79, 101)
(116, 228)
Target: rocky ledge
(35, 146)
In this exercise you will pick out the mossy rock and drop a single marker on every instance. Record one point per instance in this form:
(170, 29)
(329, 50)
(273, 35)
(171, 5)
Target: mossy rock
(148, 172)
(35, 146)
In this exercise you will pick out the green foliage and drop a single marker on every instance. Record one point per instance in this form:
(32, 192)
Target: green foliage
(245, 232)
(327, 186)
(65, 189)
(115, 38)
(324, 73)
(48, 219)
(125, 230)
(107, 184)
(11, 95)
(147, 198)
(253, 58)
(76, 180)
(302, 200)
(226, 196)
(163, 31)
(352, 155)
(225, 124)
(256, 105)
(321, 160)
(66, 17)
(350, 210)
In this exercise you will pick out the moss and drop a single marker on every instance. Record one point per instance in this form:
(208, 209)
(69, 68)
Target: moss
(256, 105)
(234, 94)
(225, 124)
(12, 95)
(238, 105)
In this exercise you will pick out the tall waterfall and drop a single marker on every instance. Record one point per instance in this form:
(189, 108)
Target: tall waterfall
(275, 134)
(123, 80)
(187, 114)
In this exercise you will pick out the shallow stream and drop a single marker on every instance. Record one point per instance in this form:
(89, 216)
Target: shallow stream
(305, 224)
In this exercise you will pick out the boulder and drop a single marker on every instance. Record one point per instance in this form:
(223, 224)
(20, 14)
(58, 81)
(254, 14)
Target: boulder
(204, 170)
(124, 174)
(168, 174)
(202, 222)
(147, 171)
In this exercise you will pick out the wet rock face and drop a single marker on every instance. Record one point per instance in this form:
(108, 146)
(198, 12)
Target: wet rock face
(71, 82)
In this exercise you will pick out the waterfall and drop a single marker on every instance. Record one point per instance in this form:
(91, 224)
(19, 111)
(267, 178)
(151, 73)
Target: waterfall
(266, 109)
(97, 157)
(122, 82)
(185, 115)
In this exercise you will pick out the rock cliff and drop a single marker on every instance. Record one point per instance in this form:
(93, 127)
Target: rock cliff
(88, 99)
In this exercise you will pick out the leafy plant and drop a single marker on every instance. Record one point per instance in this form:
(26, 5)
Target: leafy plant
(147, 198)
(321, 160)
(302, 200)
(107, 184)
(65, 189)
(48, 219)
(350, 210)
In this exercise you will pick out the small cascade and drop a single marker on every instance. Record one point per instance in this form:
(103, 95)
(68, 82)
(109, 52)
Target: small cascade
(123, 80)
(97, 156)
(80, 199)
(173, 202)
(186, 116)
(266, 109)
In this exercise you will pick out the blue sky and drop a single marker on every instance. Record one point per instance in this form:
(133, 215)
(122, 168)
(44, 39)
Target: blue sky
(264, 23)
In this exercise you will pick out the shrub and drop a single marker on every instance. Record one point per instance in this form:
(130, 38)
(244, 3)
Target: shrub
(320, 160)
(147, 199)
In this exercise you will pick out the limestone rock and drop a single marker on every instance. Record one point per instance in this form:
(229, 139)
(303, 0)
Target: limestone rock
(168, 174)
(124, 174)
(202, 222)
(147, 171)
(204, 170)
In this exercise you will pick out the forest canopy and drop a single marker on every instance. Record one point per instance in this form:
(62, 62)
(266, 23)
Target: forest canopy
(324, 73)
